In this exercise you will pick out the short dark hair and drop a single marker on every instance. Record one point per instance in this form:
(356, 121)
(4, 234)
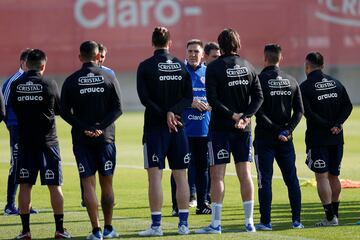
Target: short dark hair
(211, 46)
(89, 50)
(25, 53)
(35, 59)
(160, 37)
(102, 47)
(272, 53)
(315, 59)
(229, 41)
(195, 41)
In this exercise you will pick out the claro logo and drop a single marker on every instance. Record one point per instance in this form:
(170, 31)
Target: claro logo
(130, 13)
(341, 12)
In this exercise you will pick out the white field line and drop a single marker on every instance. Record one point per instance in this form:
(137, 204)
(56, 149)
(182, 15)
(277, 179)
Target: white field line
(141, 167)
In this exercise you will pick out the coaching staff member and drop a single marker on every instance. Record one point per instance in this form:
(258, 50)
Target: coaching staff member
(90, 103)
(327, 106)
(35, 101)
(233, 91)
(164, 88)
(278, 116)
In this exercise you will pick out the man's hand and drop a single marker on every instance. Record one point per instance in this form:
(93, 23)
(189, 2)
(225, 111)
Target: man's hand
(199, 105)
(93, 134)
(173, 121)
(336, 130)
(284, 136)
(242, 123)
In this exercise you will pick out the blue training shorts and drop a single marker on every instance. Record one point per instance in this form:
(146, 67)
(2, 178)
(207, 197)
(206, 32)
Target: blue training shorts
(221, 144)
(45, 159)
(95, 157)
(160, 143)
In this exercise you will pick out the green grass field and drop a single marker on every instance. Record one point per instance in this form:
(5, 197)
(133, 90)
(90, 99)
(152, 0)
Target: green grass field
(130, 182)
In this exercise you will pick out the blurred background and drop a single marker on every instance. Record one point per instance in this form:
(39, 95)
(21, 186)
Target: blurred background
(331, 27)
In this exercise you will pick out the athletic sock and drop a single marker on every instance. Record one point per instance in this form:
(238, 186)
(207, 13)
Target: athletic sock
(156, 219)
(328, 211)
(95, 230)
(183, 217)
(59, 222)
(216, 214)
(25, 221)
(108, 227)
(249, 212)
(335, 206)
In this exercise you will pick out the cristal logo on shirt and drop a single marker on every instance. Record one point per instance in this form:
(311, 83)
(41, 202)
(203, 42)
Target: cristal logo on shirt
(237, 71)
(29, 87)
(325, 84)
(279, 82)
(90, 79)
(169, 66)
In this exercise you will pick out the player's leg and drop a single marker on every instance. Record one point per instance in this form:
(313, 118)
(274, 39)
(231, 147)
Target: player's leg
(192, 177)
(318, 161)
(264, 159)
(285, 157)
(51, 175)
(219, 156)
(179, 158)
(175, 209)
(26, 174)
(107, 162)
(10, 208)
(199, 157)
(241, 149)
(86, 156)
(155, 144)
(336, 154)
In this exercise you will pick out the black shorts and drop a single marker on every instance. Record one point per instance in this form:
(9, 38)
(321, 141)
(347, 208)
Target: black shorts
(44, 159)
(221, 144)
(160, 143)
(325, 159)
(92, 158)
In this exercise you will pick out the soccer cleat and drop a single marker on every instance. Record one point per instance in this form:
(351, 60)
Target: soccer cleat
(175, 212)
(11, 210)
(297, 225)
(25, 236)
(62, 235)
(183, 230)
(193, 203)
(264, 227)
(34, 211)
(250, 228)
(327, 223)
(97, 236)
(152, 231)
(110, 234)
(82, 204)
(203, 210)
(209, 230)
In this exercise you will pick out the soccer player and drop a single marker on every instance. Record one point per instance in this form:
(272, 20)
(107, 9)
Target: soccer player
(35, 101)
(211, 52)
(102, 52)
(233, 91)
(327, 106)
(90, 103)
(164, 88)
(11, 124)
(277, 118)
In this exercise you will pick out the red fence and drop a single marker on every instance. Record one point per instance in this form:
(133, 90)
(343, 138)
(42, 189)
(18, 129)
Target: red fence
(124, 26)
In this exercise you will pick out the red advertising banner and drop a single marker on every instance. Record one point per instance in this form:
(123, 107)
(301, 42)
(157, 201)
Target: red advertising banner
(125, 26)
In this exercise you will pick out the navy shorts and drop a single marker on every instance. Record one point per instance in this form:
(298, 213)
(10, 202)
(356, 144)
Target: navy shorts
(44, 159)
(160, 143)
(221, 144)
(98, 157)
(325, 159)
